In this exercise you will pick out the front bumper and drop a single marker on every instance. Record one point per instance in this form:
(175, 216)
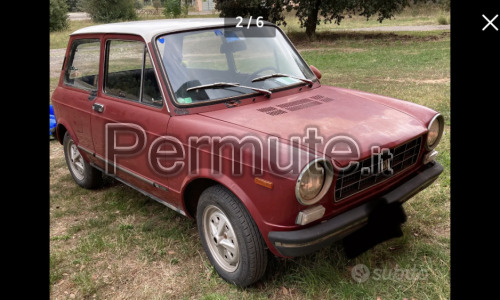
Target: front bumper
(308, 240)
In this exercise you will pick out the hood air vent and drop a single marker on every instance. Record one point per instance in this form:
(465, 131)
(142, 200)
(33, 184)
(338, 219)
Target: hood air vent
(298, 104)
(273, 111)
(321, 98)
(295, 105)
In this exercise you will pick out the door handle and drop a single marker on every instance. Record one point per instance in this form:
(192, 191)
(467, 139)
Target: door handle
(98, 107)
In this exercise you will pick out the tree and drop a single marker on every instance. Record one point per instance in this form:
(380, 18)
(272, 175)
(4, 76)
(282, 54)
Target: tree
(312, 12)
(58, 15)
(271, 10)
(110, 10)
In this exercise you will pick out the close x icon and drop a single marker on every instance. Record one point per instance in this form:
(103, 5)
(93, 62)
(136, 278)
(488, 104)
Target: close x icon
(490, 23)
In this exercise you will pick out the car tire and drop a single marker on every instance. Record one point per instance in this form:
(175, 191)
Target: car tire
(82, 172)
(230, 237)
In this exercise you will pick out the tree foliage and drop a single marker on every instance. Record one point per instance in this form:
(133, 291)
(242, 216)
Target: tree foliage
(173, 8)
(74, 5)
(312, 12)
(110, 10)
(271, 10)
(445, 4)
(58, 15)
(139, 4)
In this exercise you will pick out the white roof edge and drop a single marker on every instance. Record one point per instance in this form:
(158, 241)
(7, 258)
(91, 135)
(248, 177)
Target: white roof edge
(149, 28)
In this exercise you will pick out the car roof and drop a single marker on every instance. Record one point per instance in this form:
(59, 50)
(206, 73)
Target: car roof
(149, 28)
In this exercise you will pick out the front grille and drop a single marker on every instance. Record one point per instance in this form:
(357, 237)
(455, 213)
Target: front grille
(366, 174)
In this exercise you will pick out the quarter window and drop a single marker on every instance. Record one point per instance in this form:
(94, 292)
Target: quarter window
(151, 91)
(82, 70)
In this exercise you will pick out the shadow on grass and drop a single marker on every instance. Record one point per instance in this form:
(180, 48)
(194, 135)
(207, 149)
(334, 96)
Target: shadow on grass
(327, 268)
(300, 38)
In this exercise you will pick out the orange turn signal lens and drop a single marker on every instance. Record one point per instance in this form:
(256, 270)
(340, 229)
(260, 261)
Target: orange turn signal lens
(265, 183)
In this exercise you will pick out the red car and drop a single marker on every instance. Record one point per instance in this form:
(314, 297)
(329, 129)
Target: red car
(228, 125)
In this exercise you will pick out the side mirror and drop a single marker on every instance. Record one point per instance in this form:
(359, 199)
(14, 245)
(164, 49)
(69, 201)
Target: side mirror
(315, 71)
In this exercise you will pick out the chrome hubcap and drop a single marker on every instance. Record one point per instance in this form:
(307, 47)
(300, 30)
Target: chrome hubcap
(76, 162)
(221, 238)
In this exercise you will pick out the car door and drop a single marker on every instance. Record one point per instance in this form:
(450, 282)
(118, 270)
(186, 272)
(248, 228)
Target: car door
(80, 83)
(129, 115)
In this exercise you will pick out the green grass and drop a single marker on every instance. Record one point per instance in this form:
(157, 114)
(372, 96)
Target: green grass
(406, 66)
(116, 243)
(59, 39)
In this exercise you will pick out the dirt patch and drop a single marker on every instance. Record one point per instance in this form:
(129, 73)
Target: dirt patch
(126, 275)
(442, 231)
(78, 16)
(56, 60)
(56, 150)
(299, 39)
(342, 50)
(404, 28)
(419, 81)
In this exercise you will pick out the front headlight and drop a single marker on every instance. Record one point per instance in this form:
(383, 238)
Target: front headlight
(434, 131)
(314, 181)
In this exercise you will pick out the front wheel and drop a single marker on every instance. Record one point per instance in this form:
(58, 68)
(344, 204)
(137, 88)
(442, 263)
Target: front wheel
(82, 172)
(230, 237)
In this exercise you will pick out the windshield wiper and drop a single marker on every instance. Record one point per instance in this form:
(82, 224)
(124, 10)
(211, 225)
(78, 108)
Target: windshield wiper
(219, 85)
(309, 82)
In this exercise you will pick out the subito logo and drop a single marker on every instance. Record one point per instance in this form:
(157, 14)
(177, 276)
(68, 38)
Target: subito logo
(360, 273)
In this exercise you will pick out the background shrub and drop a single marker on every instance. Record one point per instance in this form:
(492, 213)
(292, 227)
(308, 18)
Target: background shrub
(173, 9)
(74, 5)
(156, 5)
(106, 11)
(139, 4)
(58, 15)
(442, 20)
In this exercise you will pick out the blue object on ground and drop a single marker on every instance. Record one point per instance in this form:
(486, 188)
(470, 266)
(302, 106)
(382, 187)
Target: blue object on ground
(52, 120)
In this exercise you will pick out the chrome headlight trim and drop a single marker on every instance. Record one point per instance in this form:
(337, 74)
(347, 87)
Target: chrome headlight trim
(437, 118)
(328, 167)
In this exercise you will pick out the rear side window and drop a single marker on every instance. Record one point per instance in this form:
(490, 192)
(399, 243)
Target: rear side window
(82, 70)
(129, 73)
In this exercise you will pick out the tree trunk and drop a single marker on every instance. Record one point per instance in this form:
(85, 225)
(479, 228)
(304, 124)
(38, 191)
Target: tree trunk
(312, 19)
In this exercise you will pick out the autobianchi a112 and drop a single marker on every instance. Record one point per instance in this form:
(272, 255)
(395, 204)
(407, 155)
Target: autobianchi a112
(230, 126)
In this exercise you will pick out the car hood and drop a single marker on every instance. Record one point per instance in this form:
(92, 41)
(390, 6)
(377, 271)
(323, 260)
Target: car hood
(368, 119)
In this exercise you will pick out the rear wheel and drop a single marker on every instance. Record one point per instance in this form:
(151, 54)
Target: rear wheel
(83, 173)
(230, 237)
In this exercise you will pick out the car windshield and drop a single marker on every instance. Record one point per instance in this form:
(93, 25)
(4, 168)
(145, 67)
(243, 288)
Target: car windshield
(213, 64)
